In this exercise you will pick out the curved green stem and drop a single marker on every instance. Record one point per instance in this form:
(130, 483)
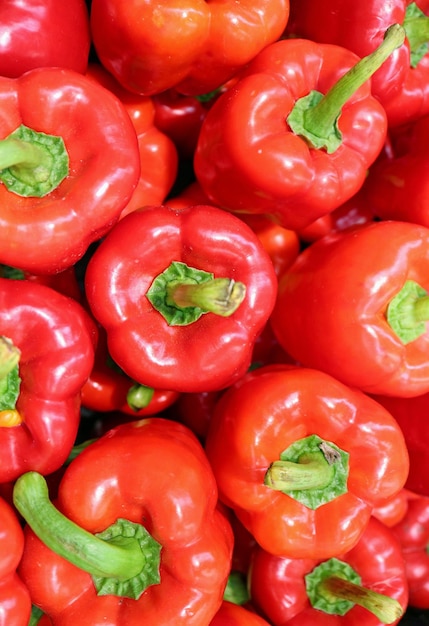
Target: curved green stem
(32, 164)
(123, 559)
(315, 116)
(416, 25)
(139, 396)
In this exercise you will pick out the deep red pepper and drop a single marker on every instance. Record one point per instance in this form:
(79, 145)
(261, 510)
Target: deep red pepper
(192, 46)
(295, 135)
(290, 591)
(64, 187)
(302, 459)
(194, 329)
(412, 416)
(231, 614)
(412, 531)
(43, 33)
(108, 388)
(122, 475)
(158, 153)
(49, 340)
(15, 602)
(401, 83)
(353, 305)
(396, 188)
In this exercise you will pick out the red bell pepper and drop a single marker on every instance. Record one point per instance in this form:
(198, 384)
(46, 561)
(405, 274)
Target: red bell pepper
(365, 585)
(402, 83)
(47, 353)
(412, 416)
(303, 460)
(296, 133)
(231, 614)
(397, 187)
(171, 565)
(412, 531)
(182, 295)
(353, 305)
(35, 34)
(158, 153)
(108, 388)
(15, 602)
(192, 46)
(69, 163)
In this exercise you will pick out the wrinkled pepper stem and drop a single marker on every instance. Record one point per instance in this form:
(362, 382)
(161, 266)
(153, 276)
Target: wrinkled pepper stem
(182, 294)
(123, 559)
(334, 587)
(311, 470)
(408, 312)
(32, 164)
(314, 117)
(416, 25)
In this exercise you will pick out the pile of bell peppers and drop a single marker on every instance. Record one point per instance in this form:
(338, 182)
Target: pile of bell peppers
(214, 313)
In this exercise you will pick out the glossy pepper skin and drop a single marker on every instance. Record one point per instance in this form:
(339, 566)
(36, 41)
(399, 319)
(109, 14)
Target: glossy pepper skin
(56, 340)
(15, 599)
(332, 309)
(277, 584)
(412, 532)
(270, 409)
(158, 153)
(122, 475)
(208, 353)
(397, 187)
(103, 168)
(231, 614)
(43, 33)
(398, 84)
(249, 160)
(192, 46)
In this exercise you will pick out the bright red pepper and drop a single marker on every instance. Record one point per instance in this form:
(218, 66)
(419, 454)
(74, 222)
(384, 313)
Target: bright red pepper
(412, 416)
(412, 531)
(365, 585)
(295, 135)
(158, 153)
(192, 46)
(302, 459)
(401, 84)
(47, 354)
(354, 305)
(397, 187)
(66, 184)
(183, 296)
(43, 33)
(231, 614)
(179, 572)
(15, 602)
(109, 389)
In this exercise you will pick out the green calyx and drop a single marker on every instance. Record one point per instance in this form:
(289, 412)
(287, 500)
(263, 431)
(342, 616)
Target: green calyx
(334, 587)
(139, 396)
(311, 470)
(10, 380)
(32, 164)
(408, 312)
(416, 25)
(315, 116)
(182, 294)
(123, 560)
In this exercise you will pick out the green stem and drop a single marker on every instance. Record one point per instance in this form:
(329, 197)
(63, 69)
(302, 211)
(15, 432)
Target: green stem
(9, 356)
(311, 470)
(139, 396)
(32, 164)
(315, 116)
(387, 610)
(123, 559)
(182, 294)
(408, 312)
